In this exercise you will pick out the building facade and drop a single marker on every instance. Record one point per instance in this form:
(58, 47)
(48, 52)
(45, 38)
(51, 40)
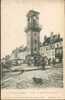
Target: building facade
(52, 47)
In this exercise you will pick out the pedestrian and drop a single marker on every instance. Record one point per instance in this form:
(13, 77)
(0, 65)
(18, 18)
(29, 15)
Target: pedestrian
(43, 63)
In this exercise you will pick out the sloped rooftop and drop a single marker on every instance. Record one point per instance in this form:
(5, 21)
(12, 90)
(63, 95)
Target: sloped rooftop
(32, 12)
(50, 40)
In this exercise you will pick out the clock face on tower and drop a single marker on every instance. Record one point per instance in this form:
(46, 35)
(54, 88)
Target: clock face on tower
(34, 17)
(34, 22)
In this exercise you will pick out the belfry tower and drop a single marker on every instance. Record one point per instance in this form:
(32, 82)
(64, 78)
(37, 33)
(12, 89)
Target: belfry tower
(33, 33)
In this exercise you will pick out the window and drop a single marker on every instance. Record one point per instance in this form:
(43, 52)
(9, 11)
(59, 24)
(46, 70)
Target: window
(57, 45)
(35, 34)
(35, 49)
(35, 41)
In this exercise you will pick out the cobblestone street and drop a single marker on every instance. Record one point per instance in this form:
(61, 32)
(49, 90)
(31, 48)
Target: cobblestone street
(51, 77)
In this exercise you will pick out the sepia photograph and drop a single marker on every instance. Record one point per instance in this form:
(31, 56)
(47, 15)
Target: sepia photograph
(32, 44)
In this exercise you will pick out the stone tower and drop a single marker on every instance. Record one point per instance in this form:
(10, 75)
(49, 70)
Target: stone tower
(33, 33)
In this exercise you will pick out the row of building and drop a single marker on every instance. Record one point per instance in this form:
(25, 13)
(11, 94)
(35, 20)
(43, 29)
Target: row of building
(52, 47)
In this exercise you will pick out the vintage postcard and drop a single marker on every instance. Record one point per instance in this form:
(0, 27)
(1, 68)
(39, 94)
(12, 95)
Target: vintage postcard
(32, 49)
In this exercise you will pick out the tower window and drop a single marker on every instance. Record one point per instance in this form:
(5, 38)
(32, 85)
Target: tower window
(35, 41)
(34, 34)
(35, 49)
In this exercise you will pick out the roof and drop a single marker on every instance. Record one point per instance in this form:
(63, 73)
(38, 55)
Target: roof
(53, 40)
(32, 12)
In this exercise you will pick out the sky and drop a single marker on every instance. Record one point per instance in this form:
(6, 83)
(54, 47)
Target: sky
(13, 21)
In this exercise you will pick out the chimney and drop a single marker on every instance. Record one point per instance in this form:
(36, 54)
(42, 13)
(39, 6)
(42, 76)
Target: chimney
(58, 36)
